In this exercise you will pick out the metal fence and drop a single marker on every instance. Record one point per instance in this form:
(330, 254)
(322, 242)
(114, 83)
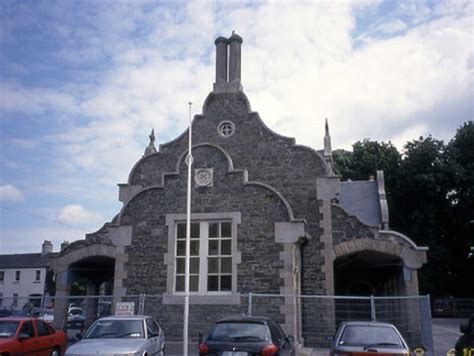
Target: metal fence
(318, 319)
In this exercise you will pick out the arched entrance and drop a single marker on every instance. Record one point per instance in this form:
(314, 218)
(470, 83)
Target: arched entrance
(92, 276)
(366, 273)
(82, 271)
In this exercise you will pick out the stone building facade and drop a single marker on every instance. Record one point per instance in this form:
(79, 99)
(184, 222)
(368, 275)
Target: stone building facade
(268, 216)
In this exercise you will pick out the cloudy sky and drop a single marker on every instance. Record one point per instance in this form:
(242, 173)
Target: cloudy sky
(82, 83)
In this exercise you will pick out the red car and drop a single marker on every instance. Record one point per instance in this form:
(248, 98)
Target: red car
(30, 336)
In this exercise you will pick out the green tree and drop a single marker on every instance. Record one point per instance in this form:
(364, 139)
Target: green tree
(460, 229)
(366, 158)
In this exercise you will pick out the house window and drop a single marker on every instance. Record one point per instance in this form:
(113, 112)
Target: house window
(194, 260)
(2, 276)
(210, 262)
(17, 276)
(15, 300)
(213, 255)
(38, 275)
(219, 261)
(1, 299)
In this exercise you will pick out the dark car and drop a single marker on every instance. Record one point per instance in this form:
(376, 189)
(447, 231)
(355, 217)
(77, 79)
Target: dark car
(465, 343)
(362, 338)
(246, 336)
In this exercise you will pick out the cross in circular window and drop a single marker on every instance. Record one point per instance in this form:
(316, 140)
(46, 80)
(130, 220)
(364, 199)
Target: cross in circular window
(226, 129)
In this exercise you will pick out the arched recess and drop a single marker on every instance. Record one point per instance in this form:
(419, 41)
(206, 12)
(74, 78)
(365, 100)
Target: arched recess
(385, 266)
(92, 267)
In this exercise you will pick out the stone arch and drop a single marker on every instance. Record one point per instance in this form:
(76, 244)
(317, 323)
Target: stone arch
(412, 256)
(385, 266)
(94, 261)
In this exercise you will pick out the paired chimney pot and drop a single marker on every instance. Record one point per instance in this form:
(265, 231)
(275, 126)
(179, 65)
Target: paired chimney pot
(228, 64)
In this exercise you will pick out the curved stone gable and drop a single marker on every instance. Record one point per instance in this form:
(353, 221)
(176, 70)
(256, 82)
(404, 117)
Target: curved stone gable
(225, 179)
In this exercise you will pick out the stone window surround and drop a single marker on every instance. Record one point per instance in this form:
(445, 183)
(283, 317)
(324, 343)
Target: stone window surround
(226, 128)
(171, 297)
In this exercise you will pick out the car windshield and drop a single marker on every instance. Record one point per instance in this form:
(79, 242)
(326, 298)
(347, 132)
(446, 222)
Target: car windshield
(239, 331)
(372, 336)
(8, 328)
(115, 329)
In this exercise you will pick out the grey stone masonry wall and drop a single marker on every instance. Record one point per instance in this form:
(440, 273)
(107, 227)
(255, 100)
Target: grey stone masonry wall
(260, 267)
(268, 158)
(347, 228)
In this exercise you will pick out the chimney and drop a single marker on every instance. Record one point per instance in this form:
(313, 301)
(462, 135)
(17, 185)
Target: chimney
(64, 244)
(47, 247)
(221, 59)
(228, 64)
(235, 44)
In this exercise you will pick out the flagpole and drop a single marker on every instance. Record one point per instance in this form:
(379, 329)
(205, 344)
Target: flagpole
(188, 241)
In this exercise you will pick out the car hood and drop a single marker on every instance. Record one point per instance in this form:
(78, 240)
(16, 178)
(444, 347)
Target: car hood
(106, 346)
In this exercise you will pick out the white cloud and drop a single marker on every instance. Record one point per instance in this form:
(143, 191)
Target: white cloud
(76, 215)
(300, 65)
(10, 193)
(409, 134)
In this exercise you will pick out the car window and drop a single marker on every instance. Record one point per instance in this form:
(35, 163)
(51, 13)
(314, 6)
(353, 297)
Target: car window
(115, 329)
(276, 331)
(42, 328)
(8, 328)
(362, 335)
(152, 328)
(27, 328)
(240, 331)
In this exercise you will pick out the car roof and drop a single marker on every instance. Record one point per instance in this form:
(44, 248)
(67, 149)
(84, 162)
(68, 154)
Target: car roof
(243, 318)
(17, 318)
(366, 323)
(125, 317)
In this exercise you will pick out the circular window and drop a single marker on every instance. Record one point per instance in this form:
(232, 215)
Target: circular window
(226, 129)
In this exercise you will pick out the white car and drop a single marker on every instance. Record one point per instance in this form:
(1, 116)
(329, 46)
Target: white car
(124, 335)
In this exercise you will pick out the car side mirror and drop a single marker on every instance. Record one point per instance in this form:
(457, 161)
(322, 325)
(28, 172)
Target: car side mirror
(79, 336)
(23, 336)
(463, 328)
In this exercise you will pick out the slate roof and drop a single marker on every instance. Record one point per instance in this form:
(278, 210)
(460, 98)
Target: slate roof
(25, 260)
(361, 198)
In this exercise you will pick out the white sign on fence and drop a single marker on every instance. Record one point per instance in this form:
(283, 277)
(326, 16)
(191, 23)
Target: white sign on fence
(125, 308)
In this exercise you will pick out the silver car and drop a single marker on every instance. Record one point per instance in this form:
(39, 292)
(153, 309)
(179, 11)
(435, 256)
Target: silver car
(121, 335)
(362, 338)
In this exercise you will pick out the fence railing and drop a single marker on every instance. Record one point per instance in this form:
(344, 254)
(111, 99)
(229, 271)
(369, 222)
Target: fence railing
(313, 320)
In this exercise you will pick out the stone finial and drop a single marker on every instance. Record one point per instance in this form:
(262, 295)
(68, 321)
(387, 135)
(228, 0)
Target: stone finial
(383, 200)
(151, 146)
(328, 149)
(327, 140)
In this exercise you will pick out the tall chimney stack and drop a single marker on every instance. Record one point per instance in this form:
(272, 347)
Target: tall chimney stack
(228, 64)
(235, 44)
(221, 59)
(47, 247)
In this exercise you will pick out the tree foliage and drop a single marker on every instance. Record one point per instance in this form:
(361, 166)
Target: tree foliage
(430, 191)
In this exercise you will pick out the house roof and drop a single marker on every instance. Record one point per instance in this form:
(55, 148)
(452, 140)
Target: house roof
(25, 260)
(361, 199)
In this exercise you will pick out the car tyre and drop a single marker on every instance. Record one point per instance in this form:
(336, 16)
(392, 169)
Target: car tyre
(55, 352)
